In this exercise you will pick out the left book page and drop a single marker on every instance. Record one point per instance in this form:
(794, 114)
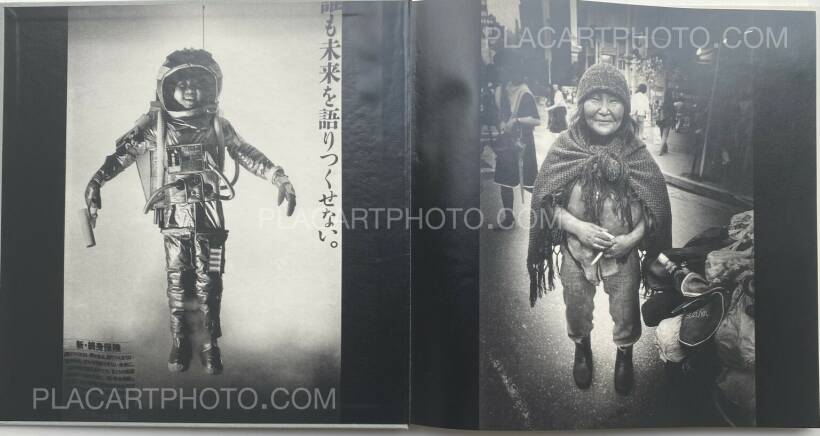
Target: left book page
(190, 257)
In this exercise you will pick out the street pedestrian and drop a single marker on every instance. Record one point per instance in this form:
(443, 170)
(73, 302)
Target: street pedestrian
(600, 197)
(640, 109)
(515, 163)
(557, 111)
(666, 119)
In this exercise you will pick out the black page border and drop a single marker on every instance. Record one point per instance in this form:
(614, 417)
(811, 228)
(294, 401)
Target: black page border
(375, 262)
(785, 141)
(33, 195)
(445, 357)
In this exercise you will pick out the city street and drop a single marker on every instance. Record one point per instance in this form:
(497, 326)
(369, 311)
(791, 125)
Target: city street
(526, 366)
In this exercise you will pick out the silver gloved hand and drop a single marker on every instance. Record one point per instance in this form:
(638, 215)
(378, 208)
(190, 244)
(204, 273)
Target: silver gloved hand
(286, 191)
(93, 200)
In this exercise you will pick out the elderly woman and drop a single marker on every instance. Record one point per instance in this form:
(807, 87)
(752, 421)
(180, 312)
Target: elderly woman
(600, 197)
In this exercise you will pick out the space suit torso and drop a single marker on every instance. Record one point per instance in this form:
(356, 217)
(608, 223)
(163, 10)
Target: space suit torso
(201, 215)
(174, 210)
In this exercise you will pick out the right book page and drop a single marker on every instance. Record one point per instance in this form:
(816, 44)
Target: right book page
(627, 153)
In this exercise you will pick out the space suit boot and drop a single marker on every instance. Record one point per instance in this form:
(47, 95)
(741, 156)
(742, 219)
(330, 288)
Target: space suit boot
(211, 358)
(180, 356)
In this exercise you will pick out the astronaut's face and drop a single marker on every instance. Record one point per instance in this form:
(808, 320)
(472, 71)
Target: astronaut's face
(188, 93)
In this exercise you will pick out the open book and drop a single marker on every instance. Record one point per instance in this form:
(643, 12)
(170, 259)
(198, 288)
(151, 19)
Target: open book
(480, 214)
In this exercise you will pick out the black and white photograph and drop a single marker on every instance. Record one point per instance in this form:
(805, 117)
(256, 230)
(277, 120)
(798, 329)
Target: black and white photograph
(188, 261)
(496, 215)
(202, 174)
(616, 174)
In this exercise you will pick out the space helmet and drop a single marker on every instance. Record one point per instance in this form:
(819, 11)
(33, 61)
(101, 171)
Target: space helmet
(184, 64)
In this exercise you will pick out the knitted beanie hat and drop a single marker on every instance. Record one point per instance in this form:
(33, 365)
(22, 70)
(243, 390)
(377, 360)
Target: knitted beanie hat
(604, 77)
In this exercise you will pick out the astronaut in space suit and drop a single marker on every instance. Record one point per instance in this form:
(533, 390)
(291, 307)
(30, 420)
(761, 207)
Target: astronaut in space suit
(179, 147)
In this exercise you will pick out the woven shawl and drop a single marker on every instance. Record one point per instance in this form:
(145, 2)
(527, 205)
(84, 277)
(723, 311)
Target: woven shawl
(562, 166)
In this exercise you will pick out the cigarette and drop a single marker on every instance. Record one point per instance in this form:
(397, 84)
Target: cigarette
(601, 253)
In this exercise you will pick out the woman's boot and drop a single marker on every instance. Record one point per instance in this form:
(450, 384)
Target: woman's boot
(582, 368)
(623, 370)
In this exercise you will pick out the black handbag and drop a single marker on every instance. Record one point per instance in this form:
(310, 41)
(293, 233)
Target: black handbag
(509, 141)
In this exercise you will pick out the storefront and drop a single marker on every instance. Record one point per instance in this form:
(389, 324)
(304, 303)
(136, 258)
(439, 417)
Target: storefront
(710, 142)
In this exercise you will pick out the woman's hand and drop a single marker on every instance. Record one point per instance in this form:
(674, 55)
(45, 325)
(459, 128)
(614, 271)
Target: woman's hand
(512, 122)
(589, 234)
(593, 236)
(508, 125)
(621, 246)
